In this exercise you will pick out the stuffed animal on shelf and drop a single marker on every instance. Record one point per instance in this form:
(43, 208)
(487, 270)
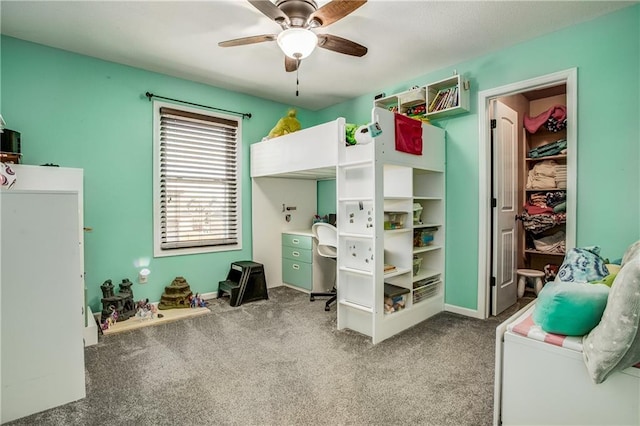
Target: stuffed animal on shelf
(285, 125)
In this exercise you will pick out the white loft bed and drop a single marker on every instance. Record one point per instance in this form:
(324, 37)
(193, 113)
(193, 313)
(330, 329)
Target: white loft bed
(285, 171)
(307, 154)
(538, 383)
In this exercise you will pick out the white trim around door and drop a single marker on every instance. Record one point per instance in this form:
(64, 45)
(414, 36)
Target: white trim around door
(568, 77)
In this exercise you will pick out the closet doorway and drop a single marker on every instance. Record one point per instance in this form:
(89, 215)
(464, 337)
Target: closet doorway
(505, 241)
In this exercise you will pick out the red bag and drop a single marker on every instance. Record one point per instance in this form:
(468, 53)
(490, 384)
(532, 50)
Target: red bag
(408, 135)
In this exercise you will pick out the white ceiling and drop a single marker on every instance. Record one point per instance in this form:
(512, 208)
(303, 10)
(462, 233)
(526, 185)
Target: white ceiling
(405, 39)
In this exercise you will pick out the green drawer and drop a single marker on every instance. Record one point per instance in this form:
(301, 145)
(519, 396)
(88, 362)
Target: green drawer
(297, 254)
(297, 273)
(300, 241)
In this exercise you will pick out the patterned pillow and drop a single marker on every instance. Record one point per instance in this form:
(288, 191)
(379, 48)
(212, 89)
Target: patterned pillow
(614, 344)
(582, 265)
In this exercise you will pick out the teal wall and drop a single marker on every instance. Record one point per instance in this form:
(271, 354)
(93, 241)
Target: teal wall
(326, 197)
(78, 111)
(606, 52)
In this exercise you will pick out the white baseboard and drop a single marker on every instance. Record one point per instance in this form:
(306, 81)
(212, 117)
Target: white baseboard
(473, 313)
(90, 332)
(210, 295)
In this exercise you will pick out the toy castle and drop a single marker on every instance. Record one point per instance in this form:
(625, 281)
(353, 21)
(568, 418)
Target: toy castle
(176, 295)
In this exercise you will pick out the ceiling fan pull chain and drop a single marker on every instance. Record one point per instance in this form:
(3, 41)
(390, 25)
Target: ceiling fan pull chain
(297, 80)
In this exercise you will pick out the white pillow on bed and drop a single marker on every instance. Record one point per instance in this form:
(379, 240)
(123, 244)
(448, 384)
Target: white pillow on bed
(614, 344)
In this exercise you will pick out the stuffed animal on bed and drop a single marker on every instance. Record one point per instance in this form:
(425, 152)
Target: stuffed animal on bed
(285, 125)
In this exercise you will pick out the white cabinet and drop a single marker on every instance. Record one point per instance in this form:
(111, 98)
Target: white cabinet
(444, 98)
(377, 187)
(41, 317)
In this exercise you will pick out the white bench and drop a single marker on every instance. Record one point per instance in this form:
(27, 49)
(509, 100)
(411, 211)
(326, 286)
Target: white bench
(539, 383)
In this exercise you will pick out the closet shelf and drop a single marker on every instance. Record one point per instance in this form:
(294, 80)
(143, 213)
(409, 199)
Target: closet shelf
(545, 189)
(548, 253)
(549, 157)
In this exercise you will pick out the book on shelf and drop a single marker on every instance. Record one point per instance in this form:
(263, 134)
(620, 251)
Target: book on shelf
(435, 100)
(445, 98)
(389, 268)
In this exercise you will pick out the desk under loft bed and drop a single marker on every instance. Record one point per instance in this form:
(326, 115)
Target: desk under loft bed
(372, 180)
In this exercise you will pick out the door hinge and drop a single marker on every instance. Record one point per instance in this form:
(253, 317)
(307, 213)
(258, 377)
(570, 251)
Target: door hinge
(492, 282)
(494, 202)
(494, 123)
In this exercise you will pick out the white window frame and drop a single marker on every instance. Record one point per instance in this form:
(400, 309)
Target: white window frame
(157, 230)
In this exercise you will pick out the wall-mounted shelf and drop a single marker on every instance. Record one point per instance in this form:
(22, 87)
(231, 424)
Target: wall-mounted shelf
(443, 98)
(447, 97)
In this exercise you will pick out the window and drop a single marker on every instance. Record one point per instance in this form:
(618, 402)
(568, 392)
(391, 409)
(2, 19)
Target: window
(197, 202)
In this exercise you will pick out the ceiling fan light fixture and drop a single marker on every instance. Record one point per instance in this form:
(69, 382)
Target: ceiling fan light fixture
(297, 43)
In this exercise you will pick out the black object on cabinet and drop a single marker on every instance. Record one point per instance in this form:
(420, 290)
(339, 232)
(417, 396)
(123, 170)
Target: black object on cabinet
(245, 283)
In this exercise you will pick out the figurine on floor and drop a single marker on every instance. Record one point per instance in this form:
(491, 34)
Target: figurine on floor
(197, 301)
(145, 310)
(111, 319)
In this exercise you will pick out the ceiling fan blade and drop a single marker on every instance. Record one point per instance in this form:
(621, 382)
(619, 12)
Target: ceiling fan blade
(290, 64)
(333, 11)
(248, 40)
(272, 11)
(341, 45)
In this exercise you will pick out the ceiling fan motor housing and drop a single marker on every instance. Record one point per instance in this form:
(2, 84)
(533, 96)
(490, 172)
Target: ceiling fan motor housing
(298, 11)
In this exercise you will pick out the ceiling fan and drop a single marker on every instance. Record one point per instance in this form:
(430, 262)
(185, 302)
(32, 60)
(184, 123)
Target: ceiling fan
(298, 18)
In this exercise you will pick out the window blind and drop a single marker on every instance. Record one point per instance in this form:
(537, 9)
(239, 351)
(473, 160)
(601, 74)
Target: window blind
(198, 180)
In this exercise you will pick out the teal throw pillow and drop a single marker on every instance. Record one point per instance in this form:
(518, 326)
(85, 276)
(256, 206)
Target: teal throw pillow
(572, 309)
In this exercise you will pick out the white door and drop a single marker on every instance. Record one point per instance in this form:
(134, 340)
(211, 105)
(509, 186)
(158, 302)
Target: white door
(505, 183)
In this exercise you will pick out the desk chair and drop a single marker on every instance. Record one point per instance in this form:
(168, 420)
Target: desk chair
(327, 237)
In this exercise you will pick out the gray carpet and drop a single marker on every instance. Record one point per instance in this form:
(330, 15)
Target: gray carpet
(282, 362)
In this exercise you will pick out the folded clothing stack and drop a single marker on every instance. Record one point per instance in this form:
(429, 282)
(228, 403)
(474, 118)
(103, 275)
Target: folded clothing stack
(553, 148)
(542, 175)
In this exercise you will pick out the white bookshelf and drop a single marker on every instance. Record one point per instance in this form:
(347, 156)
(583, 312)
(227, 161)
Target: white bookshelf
(373, 181)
